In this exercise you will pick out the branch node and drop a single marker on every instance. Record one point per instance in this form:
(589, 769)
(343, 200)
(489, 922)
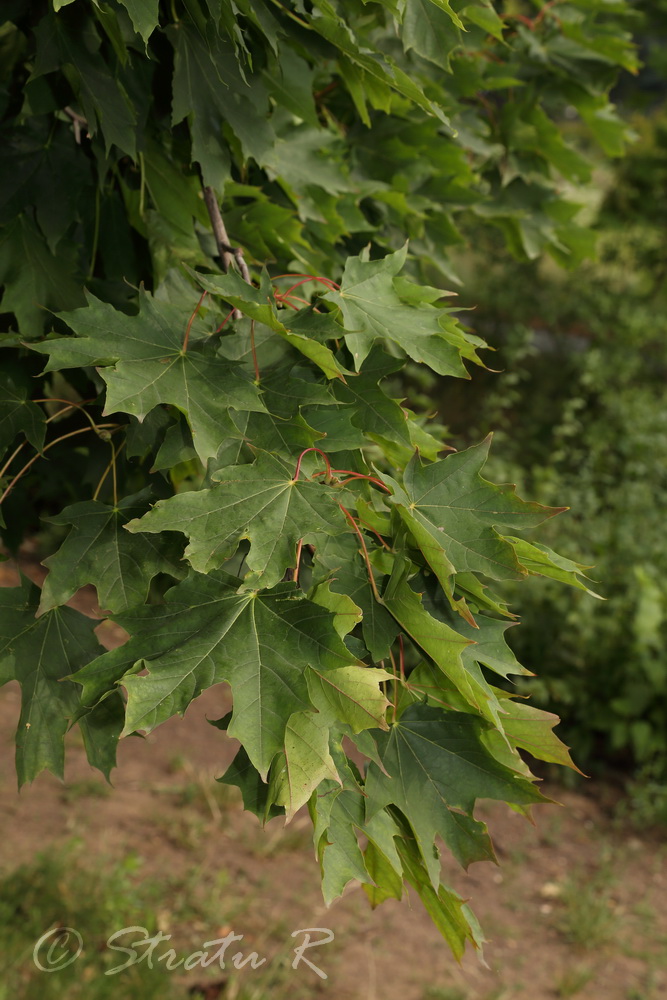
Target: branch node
(226, 251)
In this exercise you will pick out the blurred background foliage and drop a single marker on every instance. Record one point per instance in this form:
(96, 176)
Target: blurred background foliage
(578, 404)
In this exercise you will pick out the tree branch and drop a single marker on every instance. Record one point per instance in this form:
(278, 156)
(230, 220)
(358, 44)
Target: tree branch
(226, 251)
(78, 121)
(221, 238)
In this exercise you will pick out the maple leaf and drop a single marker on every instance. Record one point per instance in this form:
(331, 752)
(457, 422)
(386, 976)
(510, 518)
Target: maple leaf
(261, 502)
(449, 912)
(150, 366)
(372, 310)
(144, 15)
(376, 413)
(243, 775)
(531, 729)
(446, 647)
(98, 551)
(18, 415)
(540, 560)
(304, 763)
(258, 304)
(451, 512)
(338, 561)
(260, 643)
(439, 767)
(350, 695)
(487, 642)
(40, 653)
(338, 815)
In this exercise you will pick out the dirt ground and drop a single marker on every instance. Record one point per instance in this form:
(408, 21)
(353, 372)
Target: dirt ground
(578, 906)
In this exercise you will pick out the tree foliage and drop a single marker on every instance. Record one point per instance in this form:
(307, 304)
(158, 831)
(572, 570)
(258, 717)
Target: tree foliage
(249, 499)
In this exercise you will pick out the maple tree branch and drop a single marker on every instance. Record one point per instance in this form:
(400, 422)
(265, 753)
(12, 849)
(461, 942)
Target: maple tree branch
(78, 121)
(54, 416)
(12, 457)
(219, 230)
(63, 437)
(226, 251)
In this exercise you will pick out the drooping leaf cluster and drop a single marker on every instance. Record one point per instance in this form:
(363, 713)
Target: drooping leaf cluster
(248, 498)
(323, 128)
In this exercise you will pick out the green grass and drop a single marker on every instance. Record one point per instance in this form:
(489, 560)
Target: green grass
(444, 993)
(587, 919)
(60, 890)
(573, 981)
(84, 789)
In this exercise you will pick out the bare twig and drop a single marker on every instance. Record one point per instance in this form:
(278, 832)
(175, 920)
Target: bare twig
(226, 251)
(78, 121)
(221, 238)
(64, 437)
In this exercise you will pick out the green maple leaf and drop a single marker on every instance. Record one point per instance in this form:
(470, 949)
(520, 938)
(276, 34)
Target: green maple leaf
(350, 695)
(105, 103)
(338, 815)
(336, 841)
(372, 310)
(338, 560)
(285, 438)
(151, 368)
(255, 791)
(144, 15)
(386, 883)
(18, 415)
(35, 279)
(376, 413)
(346, 612)
(428, 30)
(540, 560)
(485, 16)
(257, 304)
(207, 632)
(488, 644)
(40, 653)
(304, 763)
(98, 551)
(446, 647)
(449, 912)
(439, 767)
(209, 89)
(380, 73)
(284, 392)
(531, 729)
(451, 512)
(261, 502)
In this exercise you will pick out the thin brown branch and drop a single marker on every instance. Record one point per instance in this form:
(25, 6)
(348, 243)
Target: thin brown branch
(226, 251)
(78, 122)
(241, 264)
(64, 437)
(219, 230)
